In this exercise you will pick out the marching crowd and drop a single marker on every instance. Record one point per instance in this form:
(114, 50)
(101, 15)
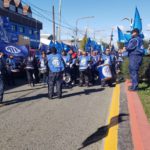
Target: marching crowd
(75, 68)
(66, 69)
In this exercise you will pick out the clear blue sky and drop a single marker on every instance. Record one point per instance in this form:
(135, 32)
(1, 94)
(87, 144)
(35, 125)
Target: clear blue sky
(108, 13)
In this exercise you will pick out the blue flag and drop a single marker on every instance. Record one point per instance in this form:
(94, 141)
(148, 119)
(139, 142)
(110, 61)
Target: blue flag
(137, 21)
(121, 37)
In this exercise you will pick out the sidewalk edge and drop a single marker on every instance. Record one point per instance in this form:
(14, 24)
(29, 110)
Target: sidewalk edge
(140, 126)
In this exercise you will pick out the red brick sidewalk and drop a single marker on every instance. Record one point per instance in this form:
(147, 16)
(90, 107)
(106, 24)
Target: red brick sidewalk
(140, 126)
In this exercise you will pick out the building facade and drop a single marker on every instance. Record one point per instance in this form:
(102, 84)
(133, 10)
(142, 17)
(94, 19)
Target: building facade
(21, 22)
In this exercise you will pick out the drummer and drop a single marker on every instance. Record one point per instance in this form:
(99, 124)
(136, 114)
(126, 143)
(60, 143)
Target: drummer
(106, 59)
(84, 65)
(43, 67)
(10, 66)
(95, 63)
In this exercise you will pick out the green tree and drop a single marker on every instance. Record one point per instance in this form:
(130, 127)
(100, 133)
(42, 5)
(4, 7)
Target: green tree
(146, 44)
(120, 45)
(83, 43)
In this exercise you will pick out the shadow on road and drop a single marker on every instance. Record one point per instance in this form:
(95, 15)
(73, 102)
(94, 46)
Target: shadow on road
(19, 91)
(103, 131)
(86, 92)
(23, 98)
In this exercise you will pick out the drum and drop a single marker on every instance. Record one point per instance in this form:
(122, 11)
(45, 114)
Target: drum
(42, 70)
(104, 72)
(15, 70)
(66, 78)
(29, 68)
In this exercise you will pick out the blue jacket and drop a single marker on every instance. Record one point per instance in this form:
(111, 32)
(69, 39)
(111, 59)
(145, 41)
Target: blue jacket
(84, 62)
(67, 58)
(107, 59)
(135, 46)
(11, 63)
(55, 63)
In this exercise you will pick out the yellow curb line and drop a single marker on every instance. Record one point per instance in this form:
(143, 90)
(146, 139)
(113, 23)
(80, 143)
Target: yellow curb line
(111, 140)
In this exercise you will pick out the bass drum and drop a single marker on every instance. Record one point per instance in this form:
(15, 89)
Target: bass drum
(104, 72)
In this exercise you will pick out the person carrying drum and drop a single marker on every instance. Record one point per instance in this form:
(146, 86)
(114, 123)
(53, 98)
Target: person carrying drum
(119, 61)
(30, 69)
(95, 63)
(67, 72)
(84, 63)
(106, 58)
(74, 69)
(43, 67)
(56, 67)
(10, 66)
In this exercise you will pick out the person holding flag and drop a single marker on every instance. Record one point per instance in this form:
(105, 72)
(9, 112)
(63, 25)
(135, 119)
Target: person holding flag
(135, 53)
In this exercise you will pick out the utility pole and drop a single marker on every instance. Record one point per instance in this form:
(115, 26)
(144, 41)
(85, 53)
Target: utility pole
(111, 37)
(57, 33)
(53, 11)
(59, 30)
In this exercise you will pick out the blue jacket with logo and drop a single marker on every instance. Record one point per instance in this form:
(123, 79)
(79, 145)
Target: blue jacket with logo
(135, 46)
(55, 63)
(84, 62)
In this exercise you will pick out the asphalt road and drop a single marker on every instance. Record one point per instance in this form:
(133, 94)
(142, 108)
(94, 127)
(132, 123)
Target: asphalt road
(30, 121)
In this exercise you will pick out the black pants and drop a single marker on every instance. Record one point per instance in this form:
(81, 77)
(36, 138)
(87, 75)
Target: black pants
(1, 88)
(30, 76)
(84, 77)
(55, 79)
(73, 73)
(10, 78)
(44, 77)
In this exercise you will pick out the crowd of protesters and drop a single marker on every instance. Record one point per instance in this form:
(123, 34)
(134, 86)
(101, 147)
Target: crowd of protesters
(67, 69)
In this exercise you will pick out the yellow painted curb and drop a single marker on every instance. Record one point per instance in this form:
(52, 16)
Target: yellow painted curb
(111, 140)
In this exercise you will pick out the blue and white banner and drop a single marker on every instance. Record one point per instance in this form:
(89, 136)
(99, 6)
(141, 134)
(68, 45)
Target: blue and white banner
(17, 51)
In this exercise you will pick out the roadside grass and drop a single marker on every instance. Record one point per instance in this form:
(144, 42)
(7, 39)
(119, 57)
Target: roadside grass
(144, 94)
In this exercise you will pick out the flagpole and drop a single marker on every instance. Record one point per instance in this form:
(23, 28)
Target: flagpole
(111, 37)
(60, 11)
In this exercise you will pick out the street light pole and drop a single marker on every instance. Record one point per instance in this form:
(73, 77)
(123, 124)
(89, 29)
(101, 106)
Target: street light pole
(76, 31)
(97, 31)
(130, 21)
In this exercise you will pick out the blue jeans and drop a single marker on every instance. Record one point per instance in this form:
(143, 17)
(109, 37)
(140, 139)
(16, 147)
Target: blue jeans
(55, 79)
(135, 62)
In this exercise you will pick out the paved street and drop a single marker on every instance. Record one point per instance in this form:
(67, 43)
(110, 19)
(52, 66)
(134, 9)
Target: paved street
(29, 121)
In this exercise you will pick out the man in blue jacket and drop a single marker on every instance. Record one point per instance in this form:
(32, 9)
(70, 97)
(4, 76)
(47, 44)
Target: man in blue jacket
(135, 53)
(56, 67)
(84, 65)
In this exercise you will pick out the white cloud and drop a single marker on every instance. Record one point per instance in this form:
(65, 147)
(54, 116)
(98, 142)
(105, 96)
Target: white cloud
(148, 27)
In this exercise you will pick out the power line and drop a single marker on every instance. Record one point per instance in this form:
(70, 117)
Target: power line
(47, 12)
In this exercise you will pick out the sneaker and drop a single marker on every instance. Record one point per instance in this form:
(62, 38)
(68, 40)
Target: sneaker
(50, 97)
